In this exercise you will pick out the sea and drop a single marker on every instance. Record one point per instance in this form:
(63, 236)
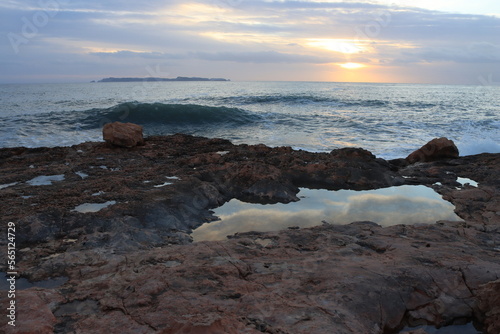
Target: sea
(390, 120)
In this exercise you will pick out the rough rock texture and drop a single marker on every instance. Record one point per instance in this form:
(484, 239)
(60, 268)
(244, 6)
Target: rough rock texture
(123, 134)
(489, 302)
(152, 209)
(436, 149)
(132, 269)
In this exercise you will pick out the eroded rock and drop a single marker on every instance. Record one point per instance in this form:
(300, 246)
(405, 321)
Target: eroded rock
(123, 134)
(131, 267)
(436, 149)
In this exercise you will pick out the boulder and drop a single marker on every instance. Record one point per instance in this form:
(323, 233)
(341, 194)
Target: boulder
(123, 134)
(436, 149)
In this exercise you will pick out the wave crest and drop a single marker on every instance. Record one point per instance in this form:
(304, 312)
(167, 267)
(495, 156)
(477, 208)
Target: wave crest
(167, 114)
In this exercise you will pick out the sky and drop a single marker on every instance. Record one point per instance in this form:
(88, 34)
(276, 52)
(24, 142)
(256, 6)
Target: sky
(400, 41)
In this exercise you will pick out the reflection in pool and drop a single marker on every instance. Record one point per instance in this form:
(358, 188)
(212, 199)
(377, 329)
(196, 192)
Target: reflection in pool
(388, 206)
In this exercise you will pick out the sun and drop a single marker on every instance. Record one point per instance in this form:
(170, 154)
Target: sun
(337, 45)
(352, 66)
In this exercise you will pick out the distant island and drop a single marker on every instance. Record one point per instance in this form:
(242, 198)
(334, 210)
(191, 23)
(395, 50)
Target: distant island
(160, 79)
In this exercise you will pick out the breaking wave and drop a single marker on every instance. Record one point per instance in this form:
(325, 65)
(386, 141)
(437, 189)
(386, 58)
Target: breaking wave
(164, 114)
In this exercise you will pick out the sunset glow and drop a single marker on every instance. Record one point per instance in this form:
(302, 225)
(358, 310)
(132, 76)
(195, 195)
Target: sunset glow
(337, 45)
(352, 66)
(246, 40)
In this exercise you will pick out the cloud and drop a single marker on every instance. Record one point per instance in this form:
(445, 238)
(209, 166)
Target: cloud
(239, 57)
(264, 57)
(228, 32)
(124, 54)
(482, 52)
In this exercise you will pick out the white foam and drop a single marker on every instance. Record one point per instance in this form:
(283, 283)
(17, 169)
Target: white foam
(45, 180)
(479, 146)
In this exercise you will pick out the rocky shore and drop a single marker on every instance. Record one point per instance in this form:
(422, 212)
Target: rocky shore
(131, 267)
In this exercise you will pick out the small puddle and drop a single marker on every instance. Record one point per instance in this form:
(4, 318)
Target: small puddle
(389, 206)
(45, 180)
(454, 329)
(92, 207)
(23, 283)
(166, 183)
(163, 185)
(82, 175)
(464, 181)
(3, 186)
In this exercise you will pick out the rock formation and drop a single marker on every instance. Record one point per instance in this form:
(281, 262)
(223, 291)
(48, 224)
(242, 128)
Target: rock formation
(123, 134)
(436, 149)
(131, 267)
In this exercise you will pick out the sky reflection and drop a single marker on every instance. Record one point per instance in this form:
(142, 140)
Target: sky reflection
(389, 206)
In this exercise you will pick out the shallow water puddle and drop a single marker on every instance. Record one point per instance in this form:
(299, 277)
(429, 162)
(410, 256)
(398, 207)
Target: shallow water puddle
(23, 283)
(163, 184)
(3, 186)
(386, 207)
(45, 180)
(92, 207)
(166, 183)
(463, 181)
(82, 175)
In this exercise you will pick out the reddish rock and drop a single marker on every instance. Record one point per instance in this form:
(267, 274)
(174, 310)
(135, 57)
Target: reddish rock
(436, 149)
(325, 279)
(34, 309)
(489, 297)
(131, 269)
(123, 134)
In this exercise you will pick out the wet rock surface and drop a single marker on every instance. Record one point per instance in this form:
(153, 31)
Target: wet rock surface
(132, 269)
